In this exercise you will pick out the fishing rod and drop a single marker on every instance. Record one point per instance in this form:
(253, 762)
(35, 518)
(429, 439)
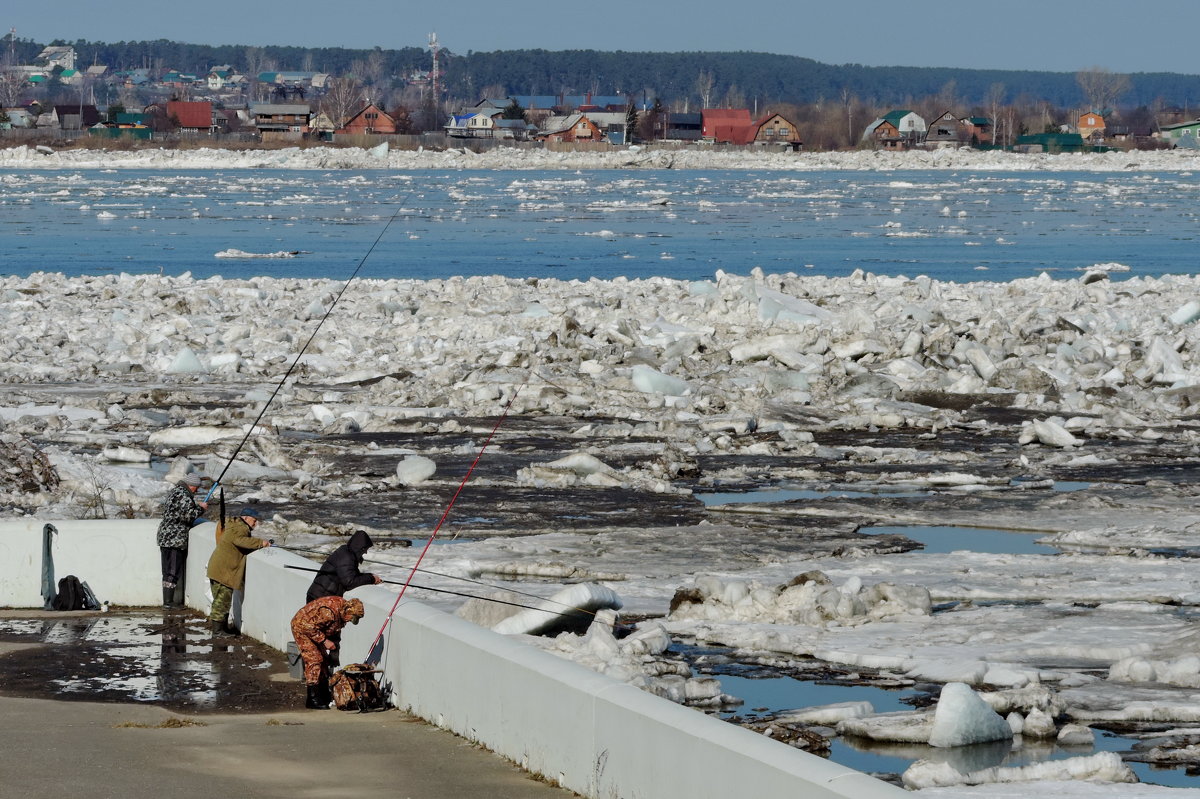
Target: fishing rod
(576, 610)
(375, 653)
(337, 298)
(439, 574)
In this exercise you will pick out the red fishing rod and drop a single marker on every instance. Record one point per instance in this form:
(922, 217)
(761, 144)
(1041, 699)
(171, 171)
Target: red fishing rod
(375, 654)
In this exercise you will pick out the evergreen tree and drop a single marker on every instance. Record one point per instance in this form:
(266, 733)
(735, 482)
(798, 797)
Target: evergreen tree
(631, 124)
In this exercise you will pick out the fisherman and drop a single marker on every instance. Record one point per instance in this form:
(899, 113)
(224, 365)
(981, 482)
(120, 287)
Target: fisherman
(227, 566)
(316, 627)
(340, 573)
(179, 512)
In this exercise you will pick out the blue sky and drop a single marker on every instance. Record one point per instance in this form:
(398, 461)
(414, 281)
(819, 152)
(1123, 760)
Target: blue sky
(1007, 34)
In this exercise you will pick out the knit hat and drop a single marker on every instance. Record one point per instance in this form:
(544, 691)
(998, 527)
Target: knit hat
(248, 511)
(192, 479)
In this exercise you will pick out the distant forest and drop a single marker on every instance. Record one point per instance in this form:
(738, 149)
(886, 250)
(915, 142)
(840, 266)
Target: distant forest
(726, 78)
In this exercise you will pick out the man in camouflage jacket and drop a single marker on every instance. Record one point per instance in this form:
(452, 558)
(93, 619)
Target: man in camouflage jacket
(315, 628)
(179, 512)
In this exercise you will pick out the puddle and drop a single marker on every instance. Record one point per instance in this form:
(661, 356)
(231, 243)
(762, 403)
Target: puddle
(941, 540)
(772, 695)
(788, 494)
(143, 656)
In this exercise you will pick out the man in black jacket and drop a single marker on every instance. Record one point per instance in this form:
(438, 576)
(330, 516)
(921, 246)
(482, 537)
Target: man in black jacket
(339, 573)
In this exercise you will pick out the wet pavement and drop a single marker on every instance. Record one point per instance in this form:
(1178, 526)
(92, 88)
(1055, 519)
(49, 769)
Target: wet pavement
(156, 709)
(162, 658)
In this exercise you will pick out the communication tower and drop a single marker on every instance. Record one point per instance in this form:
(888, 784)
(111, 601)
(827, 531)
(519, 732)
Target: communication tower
(435, 73)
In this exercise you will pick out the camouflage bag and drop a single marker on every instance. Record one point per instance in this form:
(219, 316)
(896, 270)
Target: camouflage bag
(355, 687)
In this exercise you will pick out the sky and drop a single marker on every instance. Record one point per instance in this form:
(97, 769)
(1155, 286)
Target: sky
(1016, 34)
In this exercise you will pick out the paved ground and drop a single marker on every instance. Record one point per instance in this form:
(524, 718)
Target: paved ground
(60, 744)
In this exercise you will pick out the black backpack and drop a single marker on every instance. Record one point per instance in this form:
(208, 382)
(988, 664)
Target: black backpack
(71, 595)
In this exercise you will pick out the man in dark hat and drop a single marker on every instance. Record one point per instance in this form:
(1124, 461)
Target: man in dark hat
(227, 566)
(340, 573)
(179, 512)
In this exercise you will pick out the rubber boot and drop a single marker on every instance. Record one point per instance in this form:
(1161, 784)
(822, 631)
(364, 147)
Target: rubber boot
(177, 594)
(217, 628)
(169, 598)
(324, 695)
(313, 701)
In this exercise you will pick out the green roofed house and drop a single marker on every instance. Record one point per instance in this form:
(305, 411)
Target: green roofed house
(1185, 135)
(1050, 143)
(897, 130)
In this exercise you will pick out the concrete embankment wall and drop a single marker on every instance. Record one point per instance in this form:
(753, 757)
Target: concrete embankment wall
(580, 729)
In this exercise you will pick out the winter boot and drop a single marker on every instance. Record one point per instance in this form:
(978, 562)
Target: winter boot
(313, 701)
(177, 594)
(217, 628)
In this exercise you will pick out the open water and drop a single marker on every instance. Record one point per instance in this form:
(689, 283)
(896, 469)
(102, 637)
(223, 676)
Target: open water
(960, 226)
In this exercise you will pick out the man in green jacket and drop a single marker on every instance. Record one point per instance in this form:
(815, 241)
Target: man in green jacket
(227, 566)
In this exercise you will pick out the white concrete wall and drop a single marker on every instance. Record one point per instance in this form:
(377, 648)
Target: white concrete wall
(117, 558)
(580, 729)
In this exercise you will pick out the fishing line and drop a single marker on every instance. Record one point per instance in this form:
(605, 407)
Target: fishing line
(299, 355)
(447, 576)
(376, 651)
(487, 599)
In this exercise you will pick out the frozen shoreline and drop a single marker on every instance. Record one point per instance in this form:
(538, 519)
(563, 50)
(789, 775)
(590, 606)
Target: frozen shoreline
(25, 157)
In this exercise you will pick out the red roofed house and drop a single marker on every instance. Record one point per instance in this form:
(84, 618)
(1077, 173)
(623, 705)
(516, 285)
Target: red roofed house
(371, 119)
(727, 126)
(192, 116)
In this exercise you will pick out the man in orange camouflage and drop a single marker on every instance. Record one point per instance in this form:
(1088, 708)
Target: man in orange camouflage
(316, 628)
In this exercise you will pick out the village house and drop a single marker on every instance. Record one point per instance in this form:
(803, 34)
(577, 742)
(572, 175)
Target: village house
(280, 120)
(571, 128)
(775, 129)
(75, 116)
(192, 116)
(57, 56)
(369, 119)
(479, 125)
(946, 130)
(979, 130)
(897, 130)
(1185, 135)
(1091, 126)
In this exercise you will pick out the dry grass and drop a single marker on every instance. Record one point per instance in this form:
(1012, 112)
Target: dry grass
(171, 723)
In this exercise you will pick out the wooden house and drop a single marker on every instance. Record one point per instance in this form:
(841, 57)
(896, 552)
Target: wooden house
(946, 130)
(1090, 126)
(897, 130)
(775, 129)
(369, 119)
(979, 130)
(572, 128)
(281, 120)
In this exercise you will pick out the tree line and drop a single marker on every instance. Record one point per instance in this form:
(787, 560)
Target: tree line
(744, 79)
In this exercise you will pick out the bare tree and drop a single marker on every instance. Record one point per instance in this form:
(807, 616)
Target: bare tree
(12, 84)
(1101, 88)
(995, 96)
(343, 97)
(704, 87)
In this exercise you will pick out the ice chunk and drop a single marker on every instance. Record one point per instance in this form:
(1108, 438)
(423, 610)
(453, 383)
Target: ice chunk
(1047, 432)
(963, 718)
(414, 470)
(1187, 314)
(192, 436)
(1076, 735)
(652, 381)
(185, 362)
(567, 606)
(126, 455)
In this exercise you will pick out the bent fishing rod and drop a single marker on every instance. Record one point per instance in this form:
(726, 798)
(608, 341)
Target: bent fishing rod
(447, 576)
(337, 298)
(375, 653)
(577, 611)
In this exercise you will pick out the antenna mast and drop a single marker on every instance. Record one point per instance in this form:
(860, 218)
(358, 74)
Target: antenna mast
(436, 73)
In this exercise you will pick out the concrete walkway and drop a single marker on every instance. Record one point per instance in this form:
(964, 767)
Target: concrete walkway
(51, 748)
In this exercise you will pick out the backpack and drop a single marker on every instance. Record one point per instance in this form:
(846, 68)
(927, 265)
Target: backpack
(70, 595)
(355, 687)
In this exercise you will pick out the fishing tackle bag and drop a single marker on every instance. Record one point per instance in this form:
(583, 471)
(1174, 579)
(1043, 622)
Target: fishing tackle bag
(355, 687)
(71, 595)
